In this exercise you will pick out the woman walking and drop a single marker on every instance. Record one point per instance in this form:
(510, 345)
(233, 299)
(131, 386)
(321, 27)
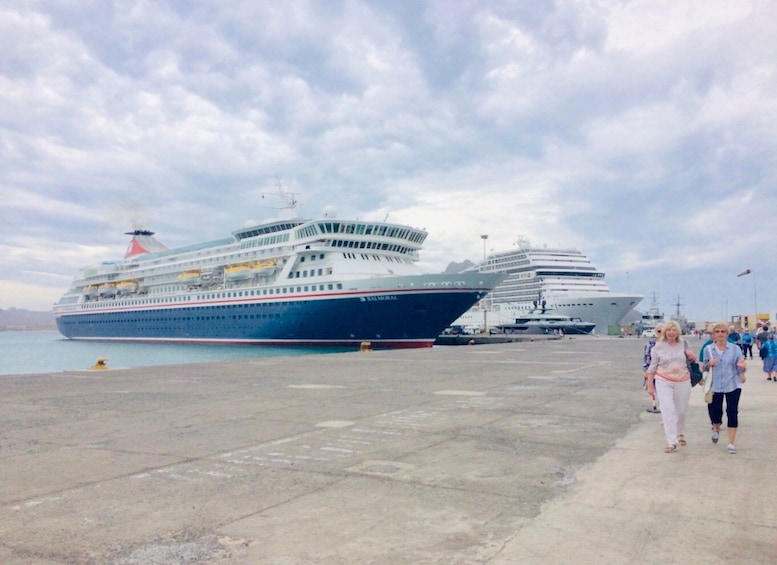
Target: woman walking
(727, 366)
(669, 379)
(770, 360)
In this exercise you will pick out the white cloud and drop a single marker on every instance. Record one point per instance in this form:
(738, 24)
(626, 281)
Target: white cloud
(613, 127)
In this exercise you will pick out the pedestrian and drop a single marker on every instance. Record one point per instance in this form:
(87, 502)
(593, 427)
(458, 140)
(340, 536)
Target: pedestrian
(733, 336)
(747, 344)
(646, 358)
(727, 367)
(761, 337)
(770, 361)
(669, 379)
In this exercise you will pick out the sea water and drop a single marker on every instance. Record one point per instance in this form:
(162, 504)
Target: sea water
(29, 352)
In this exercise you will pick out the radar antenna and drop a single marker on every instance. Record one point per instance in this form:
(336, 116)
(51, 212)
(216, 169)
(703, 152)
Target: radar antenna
(288, 200)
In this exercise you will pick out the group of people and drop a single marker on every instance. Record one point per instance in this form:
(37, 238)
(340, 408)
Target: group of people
(746, 340)
(766, 343)
(667, 378)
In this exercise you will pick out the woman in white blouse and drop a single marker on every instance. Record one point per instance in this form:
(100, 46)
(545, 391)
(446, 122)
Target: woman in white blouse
(669, 379)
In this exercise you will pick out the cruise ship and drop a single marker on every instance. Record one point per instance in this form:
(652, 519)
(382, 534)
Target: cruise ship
(561, 280)
(290, 281)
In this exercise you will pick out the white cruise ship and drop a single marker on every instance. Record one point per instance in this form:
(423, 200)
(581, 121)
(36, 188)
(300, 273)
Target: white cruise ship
(292, 281)
(562, 280)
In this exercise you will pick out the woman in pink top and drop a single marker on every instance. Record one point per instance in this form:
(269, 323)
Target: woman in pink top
(668, 378)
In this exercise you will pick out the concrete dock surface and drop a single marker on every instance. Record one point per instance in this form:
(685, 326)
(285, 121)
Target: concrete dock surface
(533, 452)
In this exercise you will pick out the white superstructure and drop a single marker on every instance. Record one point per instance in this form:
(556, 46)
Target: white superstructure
(562, 278)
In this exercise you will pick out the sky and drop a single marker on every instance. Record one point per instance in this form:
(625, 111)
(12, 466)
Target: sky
(643, 133)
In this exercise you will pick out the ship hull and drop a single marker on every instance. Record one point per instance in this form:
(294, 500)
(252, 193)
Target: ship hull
(407, 312)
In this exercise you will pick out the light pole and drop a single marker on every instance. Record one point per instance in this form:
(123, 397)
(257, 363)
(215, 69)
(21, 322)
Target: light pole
(484, 237)
(755, 293)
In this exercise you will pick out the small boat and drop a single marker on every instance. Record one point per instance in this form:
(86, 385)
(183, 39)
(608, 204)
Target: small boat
(544, 323)
(192, 278)
(240, 272)
(265, 267)
(107, 290)
(126, 287)
(91, 290)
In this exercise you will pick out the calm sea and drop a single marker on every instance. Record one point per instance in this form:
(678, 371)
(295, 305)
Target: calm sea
(23, 353)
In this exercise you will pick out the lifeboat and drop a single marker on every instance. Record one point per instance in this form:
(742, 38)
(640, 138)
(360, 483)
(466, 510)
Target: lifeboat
(241, 272)
(91, 290)
(192, 278)
(265, 267)
(107, 290)
(126, 287)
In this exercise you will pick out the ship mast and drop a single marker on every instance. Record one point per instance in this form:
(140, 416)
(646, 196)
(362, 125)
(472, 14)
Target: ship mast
(288, 200)
(677, 304)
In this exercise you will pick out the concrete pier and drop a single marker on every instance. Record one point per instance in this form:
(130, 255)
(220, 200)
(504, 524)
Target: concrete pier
(528, 452)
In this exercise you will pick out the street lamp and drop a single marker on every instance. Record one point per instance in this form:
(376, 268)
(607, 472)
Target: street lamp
(755, 293)
(484, 237)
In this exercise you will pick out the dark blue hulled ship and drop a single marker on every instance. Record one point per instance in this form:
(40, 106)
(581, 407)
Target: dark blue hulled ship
(291, 281)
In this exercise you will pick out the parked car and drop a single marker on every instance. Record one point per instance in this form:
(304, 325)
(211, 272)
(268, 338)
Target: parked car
(649, 333)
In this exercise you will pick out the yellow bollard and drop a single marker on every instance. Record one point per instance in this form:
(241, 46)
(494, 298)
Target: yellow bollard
(100, 364)
(365, 346)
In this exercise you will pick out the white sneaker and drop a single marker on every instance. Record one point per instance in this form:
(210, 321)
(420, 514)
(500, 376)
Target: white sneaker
(731, 448)
(715, 436)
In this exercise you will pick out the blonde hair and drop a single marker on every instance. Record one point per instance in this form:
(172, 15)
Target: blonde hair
(671, 324)
(720, 326)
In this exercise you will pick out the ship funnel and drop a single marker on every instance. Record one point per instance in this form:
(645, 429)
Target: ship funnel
(142, 242)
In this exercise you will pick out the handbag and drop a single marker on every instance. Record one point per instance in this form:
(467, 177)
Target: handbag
(693, 368)
(707, 388)
(695, 371)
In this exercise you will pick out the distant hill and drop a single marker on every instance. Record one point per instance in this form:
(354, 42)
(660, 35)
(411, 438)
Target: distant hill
(454, 267)
(19, 320)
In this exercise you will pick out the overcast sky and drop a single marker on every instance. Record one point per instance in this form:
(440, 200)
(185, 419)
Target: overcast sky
(643, 133)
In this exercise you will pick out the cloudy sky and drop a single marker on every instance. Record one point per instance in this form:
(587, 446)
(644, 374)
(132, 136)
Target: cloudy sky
(643, 133)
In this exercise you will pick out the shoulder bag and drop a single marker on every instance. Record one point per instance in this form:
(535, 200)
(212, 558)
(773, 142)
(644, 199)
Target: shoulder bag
(707, 388)
(693, 368)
